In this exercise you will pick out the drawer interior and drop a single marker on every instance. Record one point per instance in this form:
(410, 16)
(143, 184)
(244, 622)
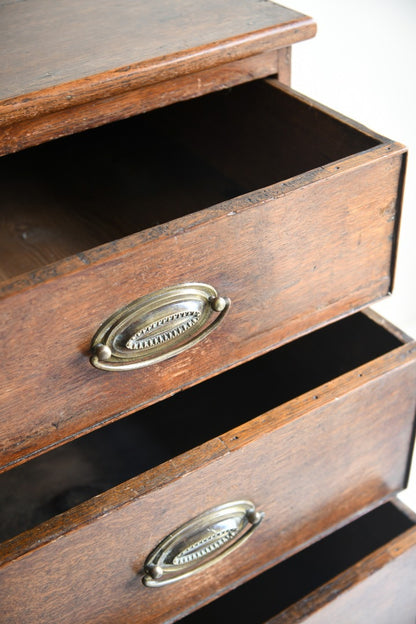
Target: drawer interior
(273, 591)
(64, 477)
(78, 192)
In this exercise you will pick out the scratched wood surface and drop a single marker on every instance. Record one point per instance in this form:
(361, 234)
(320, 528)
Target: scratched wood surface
(344, 215)
(345, 446)
(80, 53)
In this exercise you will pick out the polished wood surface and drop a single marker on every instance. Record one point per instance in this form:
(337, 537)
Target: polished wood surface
(80, 52)
(328, 455)
(247, 248)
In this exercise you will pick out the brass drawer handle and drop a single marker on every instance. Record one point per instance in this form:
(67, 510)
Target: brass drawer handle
(157, 326)
(200, 543)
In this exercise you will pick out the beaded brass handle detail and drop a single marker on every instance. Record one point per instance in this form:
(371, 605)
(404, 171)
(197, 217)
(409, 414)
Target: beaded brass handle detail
(158, 326)
(201, 542)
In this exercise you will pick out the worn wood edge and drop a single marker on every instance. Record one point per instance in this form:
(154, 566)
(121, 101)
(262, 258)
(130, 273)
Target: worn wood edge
(122, 79)
(346, 580)
(121, 247)
(56, 124)
(107, 502)
(306, 404)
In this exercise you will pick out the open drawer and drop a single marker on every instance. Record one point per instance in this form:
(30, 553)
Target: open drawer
(312, 434)
(365, 572)
(286, 209)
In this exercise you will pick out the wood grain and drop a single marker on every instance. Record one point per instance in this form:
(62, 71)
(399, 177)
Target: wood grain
(38, 490)
(48, 383)
(86, 564)
(69, 189)
(311, 464)
(361, 573)
(35, 130)
(344, 215)
(71, 195)
(80, 52)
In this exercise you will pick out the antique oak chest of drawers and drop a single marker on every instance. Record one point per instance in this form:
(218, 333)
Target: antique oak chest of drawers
(198, 418)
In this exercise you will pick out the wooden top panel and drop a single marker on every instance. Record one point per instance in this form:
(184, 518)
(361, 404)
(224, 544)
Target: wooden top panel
(46, 44)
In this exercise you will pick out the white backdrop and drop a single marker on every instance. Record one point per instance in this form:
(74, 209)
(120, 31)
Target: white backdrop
(362, 63)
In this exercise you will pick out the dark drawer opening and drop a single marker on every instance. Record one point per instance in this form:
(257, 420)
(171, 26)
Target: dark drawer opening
(273, 591)
(75, 193)
(64, 477)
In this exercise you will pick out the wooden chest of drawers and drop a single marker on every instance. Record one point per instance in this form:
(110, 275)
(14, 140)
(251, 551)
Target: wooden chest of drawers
(214, 232)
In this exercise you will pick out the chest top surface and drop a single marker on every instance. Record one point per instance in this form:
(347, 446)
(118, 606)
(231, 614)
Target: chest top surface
(78, 49)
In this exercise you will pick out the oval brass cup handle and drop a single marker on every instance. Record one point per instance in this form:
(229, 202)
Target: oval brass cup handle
(200, 543)
(158, 326)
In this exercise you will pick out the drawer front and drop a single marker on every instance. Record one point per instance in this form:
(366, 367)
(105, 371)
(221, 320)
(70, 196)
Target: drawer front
(289, 256)
(310, 466)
